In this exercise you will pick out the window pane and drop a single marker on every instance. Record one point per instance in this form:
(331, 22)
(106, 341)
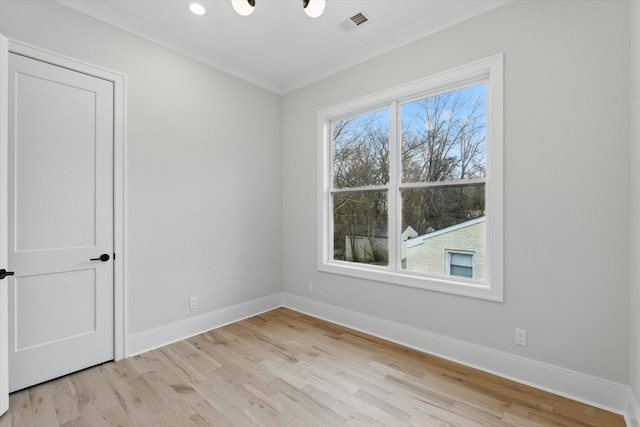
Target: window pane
(463, 260)
(360, 227)
(361, 150)
(444, 136)
(459, 271)
(438, 220)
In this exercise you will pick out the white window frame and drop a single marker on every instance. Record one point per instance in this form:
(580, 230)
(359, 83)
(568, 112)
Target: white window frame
(488, 70)
(447, 260)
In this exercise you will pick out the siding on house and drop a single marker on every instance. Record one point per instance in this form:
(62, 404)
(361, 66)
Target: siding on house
(428, 253)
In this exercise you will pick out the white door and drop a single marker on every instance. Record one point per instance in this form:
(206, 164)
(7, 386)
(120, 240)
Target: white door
(4, 318)
(60, 220)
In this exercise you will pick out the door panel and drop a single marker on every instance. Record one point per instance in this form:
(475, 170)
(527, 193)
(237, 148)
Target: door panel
(61, 215)
(46, 172)
(40, 298)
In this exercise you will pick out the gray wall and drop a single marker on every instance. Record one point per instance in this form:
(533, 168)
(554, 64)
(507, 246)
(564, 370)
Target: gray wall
(204, 168)
(635, 201)
(566, 185)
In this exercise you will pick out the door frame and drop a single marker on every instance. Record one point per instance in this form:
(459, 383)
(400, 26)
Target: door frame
(4, 174)
(119, 81)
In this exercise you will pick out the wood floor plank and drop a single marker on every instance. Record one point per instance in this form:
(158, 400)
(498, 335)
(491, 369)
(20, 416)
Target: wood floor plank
(42, 406)
(63, 399)
(97, 401)
(207, 414)
(237, 365)
(191, 361)
(283, 368)
(5, 421)
(357, 408)
(20, 409)
(144, 407)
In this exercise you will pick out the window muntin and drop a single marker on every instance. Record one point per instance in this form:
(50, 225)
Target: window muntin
(468, 185)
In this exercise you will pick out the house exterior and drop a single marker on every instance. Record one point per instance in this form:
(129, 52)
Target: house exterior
(458, 250)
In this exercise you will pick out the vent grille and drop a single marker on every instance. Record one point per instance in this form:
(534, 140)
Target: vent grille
(357, 20)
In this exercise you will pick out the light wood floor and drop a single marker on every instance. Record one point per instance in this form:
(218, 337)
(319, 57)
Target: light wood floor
(283, 368)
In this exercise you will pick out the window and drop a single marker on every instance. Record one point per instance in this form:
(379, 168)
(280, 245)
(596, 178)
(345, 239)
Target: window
(413, 173)
(460, 264)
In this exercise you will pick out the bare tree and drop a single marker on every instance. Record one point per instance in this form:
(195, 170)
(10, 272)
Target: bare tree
(445, 140)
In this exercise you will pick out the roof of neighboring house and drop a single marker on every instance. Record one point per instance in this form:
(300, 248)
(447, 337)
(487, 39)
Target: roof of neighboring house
(409, 233)
(420, 239)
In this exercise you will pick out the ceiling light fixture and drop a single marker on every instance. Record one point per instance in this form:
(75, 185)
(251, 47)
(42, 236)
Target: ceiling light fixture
(313, 8)
(197, 8)
(244, 7)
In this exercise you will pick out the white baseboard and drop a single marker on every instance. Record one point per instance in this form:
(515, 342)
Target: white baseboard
(158, 337)
(633, 410)
(584, 388)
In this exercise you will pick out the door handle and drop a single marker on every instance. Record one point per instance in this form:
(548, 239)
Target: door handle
(103, 258)
(4, 273)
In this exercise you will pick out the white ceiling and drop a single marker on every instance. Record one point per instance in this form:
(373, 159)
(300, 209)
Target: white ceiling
(279, 47)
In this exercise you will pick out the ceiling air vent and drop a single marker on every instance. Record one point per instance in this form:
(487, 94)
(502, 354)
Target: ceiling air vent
(357, 20)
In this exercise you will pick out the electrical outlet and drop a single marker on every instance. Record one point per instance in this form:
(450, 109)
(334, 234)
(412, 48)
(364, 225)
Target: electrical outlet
(310, 287)
(521, 337)
(193, 303)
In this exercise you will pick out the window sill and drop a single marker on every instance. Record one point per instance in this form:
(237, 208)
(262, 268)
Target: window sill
(469, 288)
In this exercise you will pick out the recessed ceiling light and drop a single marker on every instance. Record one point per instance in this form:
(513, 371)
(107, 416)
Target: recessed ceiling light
(197, 8)
(314, 8)
(244, 7)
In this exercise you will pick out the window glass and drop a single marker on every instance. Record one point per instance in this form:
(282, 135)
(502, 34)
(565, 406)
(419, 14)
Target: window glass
(360, 230)
(444, 136)
(461, 264)
(439, 219)
(361, 150)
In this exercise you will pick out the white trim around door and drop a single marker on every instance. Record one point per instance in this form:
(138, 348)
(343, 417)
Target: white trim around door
(119, 185)
(4, 308)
